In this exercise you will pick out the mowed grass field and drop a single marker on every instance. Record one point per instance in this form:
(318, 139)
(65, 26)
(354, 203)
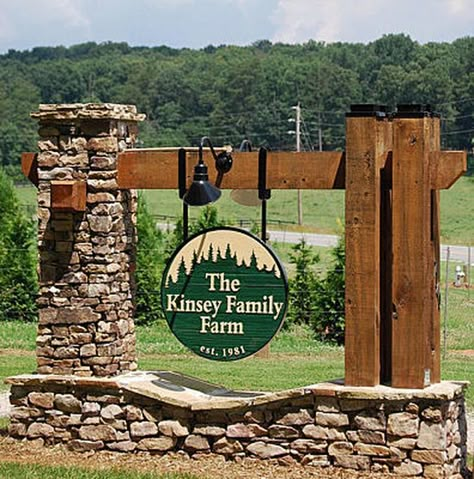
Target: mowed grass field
(14, 470)
(309, 360)
(323, 211)
(293, 349)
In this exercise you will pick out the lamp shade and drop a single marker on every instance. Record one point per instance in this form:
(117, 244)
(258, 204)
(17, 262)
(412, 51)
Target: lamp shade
(201, 192)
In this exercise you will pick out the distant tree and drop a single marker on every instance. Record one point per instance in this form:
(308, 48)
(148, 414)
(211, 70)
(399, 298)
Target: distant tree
(315, 300)
(302, 287)
(150, 265)
(18, 281)
(208, 218)
(231, 92)
(394, 49)
(18, 98)
(328, 321)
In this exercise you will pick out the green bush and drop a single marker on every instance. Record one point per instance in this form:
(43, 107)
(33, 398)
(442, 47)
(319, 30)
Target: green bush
(150, 264)
(208, 218)
(302, 287)
(328, 320)
(18, 279)
(318, 301)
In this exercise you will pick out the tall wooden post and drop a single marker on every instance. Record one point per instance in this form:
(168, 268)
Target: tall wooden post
(367, 146)
(413, 268)
(435, 261)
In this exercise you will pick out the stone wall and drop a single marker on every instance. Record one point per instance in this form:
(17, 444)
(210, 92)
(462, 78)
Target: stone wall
(409, 434)
(86, 257)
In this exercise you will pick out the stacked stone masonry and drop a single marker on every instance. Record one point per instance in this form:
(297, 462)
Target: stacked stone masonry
(86, 257)
(410, 437)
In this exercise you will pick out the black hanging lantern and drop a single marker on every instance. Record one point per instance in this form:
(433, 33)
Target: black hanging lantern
(201, 192)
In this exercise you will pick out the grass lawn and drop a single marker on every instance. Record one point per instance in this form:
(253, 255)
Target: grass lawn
(460, 324)
(13, 470)
(295, 360)
(457, 213)
(323, 211)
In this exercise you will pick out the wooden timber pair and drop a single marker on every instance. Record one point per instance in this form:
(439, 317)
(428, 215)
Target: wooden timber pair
(392, 171)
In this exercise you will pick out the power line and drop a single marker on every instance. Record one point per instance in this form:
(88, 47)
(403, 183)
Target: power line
(464, 100)
(457, 132)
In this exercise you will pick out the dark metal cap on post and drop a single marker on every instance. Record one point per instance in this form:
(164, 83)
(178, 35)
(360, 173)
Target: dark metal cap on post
(367, 109)
(415, 110)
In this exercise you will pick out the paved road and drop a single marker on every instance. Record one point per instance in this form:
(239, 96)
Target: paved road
(456, 252)
(312, 239)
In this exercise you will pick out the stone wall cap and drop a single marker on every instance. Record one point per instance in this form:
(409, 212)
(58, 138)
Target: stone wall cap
(143, 383)
(445, 390)
(89, 111)
(43, 379)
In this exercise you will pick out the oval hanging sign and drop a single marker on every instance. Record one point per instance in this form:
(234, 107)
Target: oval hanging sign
(224, 294)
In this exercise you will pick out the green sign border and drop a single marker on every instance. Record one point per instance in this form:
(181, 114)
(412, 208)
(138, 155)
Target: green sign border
(280, 267)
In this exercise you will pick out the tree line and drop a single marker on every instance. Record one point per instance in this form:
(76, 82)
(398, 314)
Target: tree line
(232, 92)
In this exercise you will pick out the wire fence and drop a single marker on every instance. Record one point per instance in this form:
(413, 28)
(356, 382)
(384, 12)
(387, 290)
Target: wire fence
(456, 286)
(457, 306)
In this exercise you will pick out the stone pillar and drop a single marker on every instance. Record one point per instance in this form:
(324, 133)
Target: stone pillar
(86, 240)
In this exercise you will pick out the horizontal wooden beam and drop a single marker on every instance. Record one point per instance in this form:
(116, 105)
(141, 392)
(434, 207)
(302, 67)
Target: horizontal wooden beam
(446, 168)
(158, 169)
(29, 166)
(68, 195)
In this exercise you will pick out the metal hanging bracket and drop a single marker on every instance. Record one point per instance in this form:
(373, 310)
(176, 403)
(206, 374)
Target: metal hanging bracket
(264, 194)
(182, 190)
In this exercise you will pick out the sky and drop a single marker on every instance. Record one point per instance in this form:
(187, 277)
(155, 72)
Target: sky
(197, 23)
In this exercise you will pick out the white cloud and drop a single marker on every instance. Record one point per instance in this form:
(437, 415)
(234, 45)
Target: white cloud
(167, 3)
(43, 21)
(365, 20)
(6, 27)
(70, 12)
(459, 7)
(300, 20)
(28, 23)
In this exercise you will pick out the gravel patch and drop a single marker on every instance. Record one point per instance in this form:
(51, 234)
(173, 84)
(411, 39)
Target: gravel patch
(470, 434)
(4, 404)
(206, 467)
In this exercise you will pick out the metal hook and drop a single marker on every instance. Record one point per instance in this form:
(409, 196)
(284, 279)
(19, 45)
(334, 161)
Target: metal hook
(182, 190)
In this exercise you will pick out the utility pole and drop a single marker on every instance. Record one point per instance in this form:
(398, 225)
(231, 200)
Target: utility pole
(320, 132)
(297, 108)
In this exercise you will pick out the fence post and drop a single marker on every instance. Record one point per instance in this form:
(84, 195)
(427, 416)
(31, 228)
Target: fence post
(446, 293)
